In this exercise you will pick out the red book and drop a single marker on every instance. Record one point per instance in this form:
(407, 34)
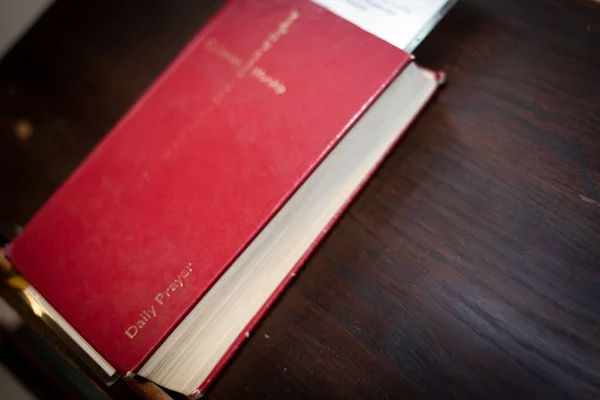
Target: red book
(234, 151)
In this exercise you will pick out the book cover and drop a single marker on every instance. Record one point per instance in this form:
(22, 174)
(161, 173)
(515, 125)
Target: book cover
(189, 176)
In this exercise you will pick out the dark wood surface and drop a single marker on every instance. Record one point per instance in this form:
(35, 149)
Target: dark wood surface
(470, 265)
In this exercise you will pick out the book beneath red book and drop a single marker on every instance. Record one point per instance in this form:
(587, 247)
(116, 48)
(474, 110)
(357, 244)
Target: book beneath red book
(201, 166)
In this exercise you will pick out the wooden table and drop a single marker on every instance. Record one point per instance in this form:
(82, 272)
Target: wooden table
(470, 265)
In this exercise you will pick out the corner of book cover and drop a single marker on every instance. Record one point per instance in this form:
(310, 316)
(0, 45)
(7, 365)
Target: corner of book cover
(196, 394)
(441, 77)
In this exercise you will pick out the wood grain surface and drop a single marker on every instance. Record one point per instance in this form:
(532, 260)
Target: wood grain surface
(468, 268)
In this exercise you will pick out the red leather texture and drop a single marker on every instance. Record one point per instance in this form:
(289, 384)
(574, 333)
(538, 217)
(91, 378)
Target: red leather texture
(165, 203)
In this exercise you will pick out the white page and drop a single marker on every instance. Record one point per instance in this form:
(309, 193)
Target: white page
(403, 23)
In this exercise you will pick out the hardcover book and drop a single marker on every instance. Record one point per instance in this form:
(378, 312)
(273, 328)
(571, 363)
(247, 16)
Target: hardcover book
(167, 245)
